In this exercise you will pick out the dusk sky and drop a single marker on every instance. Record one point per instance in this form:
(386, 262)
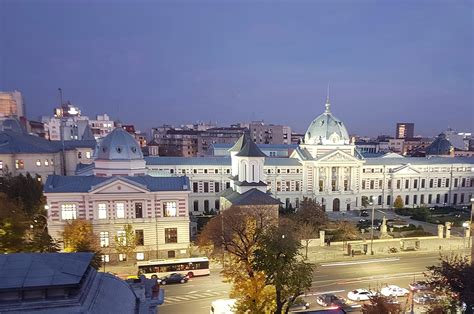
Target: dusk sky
(149, 63)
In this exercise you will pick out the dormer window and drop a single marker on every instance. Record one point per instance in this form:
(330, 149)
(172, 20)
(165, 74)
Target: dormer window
(134, 149)
(119, 149)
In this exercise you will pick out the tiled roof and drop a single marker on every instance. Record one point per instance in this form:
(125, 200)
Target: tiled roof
(83, 184)
(252, 197)
(31, 270)
(211, 161)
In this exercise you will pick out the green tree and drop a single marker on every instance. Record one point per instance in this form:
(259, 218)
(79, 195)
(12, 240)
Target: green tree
(311, 212)
(26, 191)
(421, 214)
(126, 243)
(42, 242)
(278, 257)
(454, 277)
(79, 237)
(13, 226)
(398, 204)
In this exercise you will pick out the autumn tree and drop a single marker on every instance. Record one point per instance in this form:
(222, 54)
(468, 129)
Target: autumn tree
(126, 242)
(398, 202)
(78, 236)
(278, 257)
(305, 233)
(311, 212)
(380, 304)
(345, 231)
(13, 226)
(454, 277)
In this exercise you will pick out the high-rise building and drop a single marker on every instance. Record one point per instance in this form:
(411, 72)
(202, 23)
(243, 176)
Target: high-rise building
(262, 133)
(405, 130)
(11, 104)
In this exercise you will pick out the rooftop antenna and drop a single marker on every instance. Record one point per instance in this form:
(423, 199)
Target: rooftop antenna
(327, 100)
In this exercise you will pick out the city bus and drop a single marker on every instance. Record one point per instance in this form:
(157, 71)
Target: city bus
(192, 266)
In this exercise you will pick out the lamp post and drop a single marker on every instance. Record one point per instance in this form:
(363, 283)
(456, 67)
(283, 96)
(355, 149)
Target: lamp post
(471, 240)
(466, 227)
(371, 203)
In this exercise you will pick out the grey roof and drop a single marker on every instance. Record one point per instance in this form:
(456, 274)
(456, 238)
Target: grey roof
(252, 197)
(323, 126)
(69, 145)
(440, 146)
(246, 183)
(261, 146)
(31, 270)
(83, 184)
(282, 162)
(250, 149)
(238, 144)
(380, 161)
(118, 145)
(303, 153)
(196, 161)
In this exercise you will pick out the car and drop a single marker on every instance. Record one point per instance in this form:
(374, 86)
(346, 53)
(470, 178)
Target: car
(360, 295)
(299, 306)
(364, 213)
(333, 301)
(394, 291)
(418, 285)
(174, 278)
(327, 299)
(425, 298)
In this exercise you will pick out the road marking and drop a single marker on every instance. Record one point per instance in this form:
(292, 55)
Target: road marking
(394, 259)
(208, 290)
(192, 292)
(325, 292)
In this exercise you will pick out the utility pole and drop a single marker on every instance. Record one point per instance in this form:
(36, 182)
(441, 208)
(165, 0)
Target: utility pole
(61, 131)
(372, 229)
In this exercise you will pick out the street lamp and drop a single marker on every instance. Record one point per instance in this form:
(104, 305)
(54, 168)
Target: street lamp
(467, 234)
(371, 203)
(471, 241)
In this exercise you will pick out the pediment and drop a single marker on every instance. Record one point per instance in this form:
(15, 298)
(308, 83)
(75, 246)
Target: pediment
(338, 156)
(118, 186)
(405, 169)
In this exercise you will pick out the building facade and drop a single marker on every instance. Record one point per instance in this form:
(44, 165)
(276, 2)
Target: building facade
(405, 130)
(11, 104)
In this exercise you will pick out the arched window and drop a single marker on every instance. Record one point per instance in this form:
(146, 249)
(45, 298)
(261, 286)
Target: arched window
(253, 173)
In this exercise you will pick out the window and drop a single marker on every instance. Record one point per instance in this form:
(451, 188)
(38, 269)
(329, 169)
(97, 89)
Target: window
(171, 171)
(431, 183)
(422, 199)
(463, 182)
(407, 200)
(216, 204)
(104, 239)
(439, 183)
(462, 198)
(138, 210)
(415, 199)
(46, 162)
(216, 187)
(196, 205)
(321, 185)
(363, 184)
(379, 200)
(79, 155)
(139, 237)
(169, 209)
(195, 187)
(227, 185)
(447, 183)
(456, 182)
(446, 198)
(206, 187)
(216, 170)
(120, 210)
(372, 184)
(171, 235)
(422, 183)
(122, 237)
(407, 184)
(415, 184)
(68, 211)
(194, 170)
(430, 199)
(38, 163)
(122, 257)
(438, 198)
(297, 185)
(205, 170)
(19, 164)
(389, 200)
(140, 256)
(88, 155)
(102, 208)
(105, 258)
(1, 164)
(227, 171)
(206, 205)
(398, 184)
(171, 254)
(389, 183)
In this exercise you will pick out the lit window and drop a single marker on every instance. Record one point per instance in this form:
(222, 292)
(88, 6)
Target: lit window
(88, 155)
(104, 239)
(122, 257)
(140, 256)
(46, 162)
(121, 237)
(105, 258)
(19, 164)
(38, 163)
(68, 211)
(52, 162)
(169, 209)
(102, 210)
(120, 210)
(79, 155)
(1, 164)
(171, 235)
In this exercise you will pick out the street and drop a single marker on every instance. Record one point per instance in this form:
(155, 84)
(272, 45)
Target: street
(336, 277)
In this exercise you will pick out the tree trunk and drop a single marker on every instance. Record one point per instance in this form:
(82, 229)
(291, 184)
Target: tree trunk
(306, 250)
(279, 304)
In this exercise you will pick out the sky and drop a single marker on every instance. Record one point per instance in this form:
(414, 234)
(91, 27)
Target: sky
(153, 62)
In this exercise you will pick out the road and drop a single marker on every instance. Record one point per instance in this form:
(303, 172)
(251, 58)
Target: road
(338, 277)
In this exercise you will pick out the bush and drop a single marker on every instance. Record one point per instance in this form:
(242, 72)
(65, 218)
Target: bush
(404, 211)
(421, 214)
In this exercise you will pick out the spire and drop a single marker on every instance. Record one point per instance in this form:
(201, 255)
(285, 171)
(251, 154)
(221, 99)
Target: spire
(328, 104)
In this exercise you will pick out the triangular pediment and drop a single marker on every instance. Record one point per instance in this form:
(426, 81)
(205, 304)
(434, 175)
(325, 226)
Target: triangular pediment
(405, 169)
(118, 185)
(338, 156)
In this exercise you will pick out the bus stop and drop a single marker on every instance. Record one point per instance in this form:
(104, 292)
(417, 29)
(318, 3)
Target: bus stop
(357, 249)
(409, 244)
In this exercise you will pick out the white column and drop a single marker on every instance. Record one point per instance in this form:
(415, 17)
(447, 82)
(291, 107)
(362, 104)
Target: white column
(316, 179)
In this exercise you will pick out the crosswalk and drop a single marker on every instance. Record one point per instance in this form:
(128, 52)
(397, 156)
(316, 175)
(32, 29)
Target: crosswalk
(194, 295)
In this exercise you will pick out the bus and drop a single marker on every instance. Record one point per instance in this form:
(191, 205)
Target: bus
(158, 268)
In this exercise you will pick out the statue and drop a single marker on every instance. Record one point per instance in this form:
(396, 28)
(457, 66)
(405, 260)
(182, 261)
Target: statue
(383, 229)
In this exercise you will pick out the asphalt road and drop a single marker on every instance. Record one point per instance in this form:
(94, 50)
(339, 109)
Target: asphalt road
(196, 296)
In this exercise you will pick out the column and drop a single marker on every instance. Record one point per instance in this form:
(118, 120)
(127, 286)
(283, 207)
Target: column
(328, 178)
(316, 180)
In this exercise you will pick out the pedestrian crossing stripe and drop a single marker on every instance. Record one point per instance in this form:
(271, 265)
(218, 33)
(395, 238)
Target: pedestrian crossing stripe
(194, 296)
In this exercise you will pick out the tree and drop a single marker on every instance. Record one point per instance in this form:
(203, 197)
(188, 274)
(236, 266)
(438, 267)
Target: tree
(345, 231)
(306, 232)
(311, 212)
(79, 237)
(42, 242)
(126, 243)
(381, 305)
(25, 190)
(454, 277)
(365, 201)
(13, 226)
(398, 202)
(278, 257)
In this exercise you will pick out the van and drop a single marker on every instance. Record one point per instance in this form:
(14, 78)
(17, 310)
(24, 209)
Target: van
(223, 306)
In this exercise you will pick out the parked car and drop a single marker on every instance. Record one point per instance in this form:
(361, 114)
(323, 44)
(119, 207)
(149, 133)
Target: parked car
(418, 285)
(360, 295)
(394, 291)
(327, 299)
(425, 298)
(299, 306)
(333, 301)
(364, 213)
(174, 278)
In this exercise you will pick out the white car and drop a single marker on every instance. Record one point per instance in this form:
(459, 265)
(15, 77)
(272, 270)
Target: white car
(394, 291)
(360, 295)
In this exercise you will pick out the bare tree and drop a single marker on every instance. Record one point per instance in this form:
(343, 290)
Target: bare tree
(311, 212)
(306, 232)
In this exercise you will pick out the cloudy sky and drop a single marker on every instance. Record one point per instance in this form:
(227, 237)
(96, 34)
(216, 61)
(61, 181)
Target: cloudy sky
(155, 62)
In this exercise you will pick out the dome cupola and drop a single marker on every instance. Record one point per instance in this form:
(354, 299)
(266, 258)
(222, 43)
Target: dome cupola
(118, 145)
